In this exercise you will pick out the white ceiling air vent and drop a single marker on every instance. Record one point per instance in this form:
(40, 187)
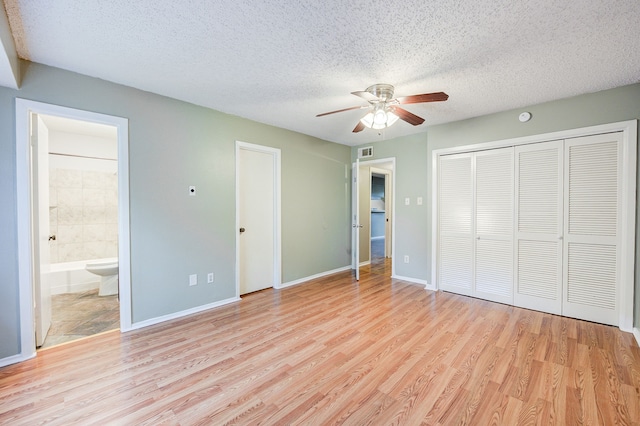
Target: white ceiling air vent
(365, 152)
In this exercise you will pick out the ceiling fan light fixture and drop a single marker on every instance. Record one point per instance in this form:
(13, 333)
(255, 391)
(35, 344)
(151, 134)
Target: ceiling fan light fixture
(379, 119)
(367, 120)
(391, 118)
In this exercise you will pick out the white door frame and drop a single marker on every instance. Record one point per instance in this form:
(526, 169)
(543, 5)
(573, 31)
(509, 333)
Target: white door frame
(277, 228)
(629, 131)
(25, 246)
(391, 160)
(355, 214)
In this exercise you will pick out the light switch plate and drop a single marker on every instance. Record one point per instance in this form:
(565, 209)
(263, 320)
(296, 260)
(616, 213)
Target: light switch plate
(407, 201)
(419, 201)
(192, 190)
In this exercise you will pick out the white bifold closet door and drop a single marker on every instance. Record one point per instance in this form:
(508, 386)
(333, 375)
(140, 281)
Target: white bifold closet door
(538, 226)
(456, 242)
(592, 218)
(475, 199)
(494, 225)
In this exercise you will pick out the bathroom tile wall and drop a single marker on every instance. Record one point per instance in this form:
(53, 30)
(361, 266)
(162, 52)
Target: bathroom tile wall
(83, 214)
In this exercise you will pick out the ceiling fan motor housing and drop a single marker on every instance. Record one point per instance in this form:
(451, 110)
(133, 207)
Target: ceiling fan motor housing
(383, 91)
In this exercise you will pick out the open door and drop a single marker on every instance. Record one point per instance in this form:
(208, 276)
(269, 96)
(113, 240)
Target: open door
(388, 203)
(355, 207)
(40, 227)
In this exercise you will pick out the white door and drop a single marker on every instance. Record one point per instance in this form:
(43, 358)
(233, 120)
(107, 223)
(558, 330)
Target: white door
(364, 214)
(494, 225)
(592, 220)
(40, 227)
(355, 225)
(538, 223)
(455, 224)
(388, 203)
(257, 219)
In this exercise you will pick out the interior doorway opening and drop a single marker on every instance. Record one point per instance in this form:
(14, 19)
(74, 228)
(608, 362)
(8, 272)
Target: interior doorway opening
(34, 238)
(75, 228)
(374, 203)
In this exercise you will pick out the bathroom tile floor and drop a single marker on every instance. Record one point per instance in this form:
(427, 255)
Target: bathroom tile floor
(78, 315)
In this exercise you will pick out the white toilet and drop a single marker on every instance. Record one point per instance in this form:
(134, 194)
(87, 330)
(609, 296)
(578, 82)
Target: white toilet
(108, 271)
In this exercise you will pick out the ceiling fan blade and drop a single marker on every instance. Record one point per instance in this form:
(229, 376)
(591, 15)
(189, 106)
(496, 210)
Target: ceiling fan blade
(366, 95)
(407, 116)
(359, 127)
(341, 110)
(425, 97)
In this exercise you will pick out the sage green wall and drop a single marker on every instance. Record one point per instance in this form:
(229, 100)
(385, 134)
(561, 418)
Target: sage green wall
(411, 221)
(414, 162)
(172, 145)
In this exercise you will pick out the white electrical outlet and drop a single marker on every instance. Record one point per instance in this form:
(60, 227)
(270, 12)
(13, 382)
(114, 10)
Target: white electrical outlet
(193, 279)
(210, 277)
(406, 258)
(419, 201)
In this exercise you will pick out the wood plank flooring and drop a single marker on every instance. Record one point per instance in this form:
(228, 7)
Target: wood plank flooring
(333, 351)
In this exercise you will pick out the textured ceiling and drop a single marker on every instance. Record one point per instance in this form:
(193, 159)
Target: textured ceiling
(282, 62)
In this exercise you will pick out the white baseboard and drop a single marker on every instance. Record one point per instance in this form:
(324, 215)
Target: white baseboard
(636, 333)
(176, 315)
(14, 359)
(313, 277)
(365, 263)
(425, 283)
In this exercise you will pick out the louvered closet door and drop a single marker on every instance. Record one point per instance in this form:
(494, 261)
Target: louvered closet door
(538, 222)
(494, 225)
(592, 218)
(455, 225)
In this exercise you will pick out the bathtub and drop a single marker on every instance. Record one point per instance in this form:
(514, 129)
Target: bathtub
(71, 277)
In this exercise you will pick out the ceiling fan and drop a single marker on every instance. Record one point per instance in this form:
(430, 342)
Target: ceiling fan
(384, 109)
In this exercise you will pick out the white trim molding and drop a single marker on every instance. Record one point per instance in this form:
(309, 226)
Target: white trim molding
(425, 283)
(313, 277)
(629, 131)
(181, 314)
(636, 334)
(15, 359)
(23, 186)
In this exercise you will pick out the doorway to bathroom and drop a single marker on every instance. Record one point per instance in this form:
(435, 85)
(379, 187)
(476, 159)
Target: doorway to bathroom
(77, 173)
(73, 254)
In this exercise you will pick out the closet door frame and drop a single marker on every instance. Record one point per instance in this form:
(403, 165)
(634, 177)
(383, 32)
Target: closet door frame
(629, 131)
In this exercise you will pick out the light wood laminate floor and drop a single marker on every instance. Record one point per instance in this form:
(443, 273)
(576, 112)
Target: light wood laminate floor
(334, 351)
